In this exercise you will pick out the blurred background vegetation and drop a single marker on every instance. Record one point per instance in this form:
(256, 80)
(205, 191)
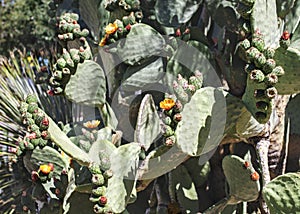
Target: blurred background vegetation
(25, 24)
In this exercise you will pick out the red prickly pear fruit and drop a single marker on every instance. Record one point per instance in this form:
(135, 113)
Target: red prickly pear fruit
(285, 35)
(255, 176)
(51, 166)
(45, 121)
(34, 176)
(102, 200)
(128, 27)
(50, 92)
(178, 33)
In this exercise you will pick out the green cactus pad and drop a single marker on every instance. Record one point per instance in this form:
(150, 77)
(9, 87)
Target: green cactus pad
(282, 194)
(101, 146)
(203, 122)
(88, 85)
(178, 12)
(49, 155)
(133, 49)
(62, 141)
(184, 189)
(148, 123)
(238, 176)
(124, 163)
(262, 18)
(199, 172)
(138, 77)
(290, 61)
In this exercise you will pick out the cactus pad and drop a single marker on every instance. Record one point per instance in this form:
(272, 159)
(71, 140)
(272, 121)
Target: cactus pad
(239, 178)
(88, 85)
(282, 194)
(203, 122)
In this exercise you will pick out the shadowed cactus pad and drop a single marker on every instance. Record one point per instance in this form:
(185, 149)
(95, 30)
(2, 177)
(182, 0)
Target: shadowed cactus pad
(241, 178)
(282, 194)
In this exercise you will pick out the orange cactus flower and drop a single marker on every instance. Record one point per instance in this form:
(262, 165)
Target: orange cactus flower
(46, 169)
(111, 28)
(91, 124)
(103, 41)
(167, 104)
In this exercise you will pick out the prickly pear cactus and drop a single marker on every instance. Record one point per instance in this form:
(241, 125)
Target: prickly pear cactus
(243, 180)
(281, 194)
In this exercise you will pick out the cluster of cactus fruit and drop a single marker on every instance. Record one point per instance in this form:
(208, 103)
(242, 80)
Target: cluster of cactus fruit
(100, 175)
(173, 105)
(108, 167)
(37, 124)
(66, 65)
(263, 74)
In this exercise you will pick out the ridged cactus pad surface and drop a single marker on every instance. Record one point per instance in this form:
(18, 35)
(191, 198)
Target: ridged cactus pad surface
(243, 184)
(88, 85)
(203, 122)
(282, 194)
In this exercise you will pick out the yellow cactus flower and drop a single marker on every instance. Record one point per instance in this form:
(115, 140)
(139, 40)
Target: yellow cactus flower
(91, 124)
(167, 104)
(111, 28)
(46, 169)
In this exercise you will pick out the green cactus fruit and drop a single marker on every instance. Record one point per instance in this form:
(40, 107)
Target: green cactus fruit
(278, 70)
(43, 142)
(258, 43)
(271, 92)
(99, 191)
(180, 93)
(244, 10)
(35, 142)
(32, 108)
(33, 128)
(269, 52)
(98, 179)
(53, 82)
(57, 75)
(29, 121)
(38, 117)
(242, 179)
(65, 54)
(260, 60)
(167, 120)
(196, 82)
(251, 53)
(257, 75)
(108, 174)
(28, 146)
(74, 16)
(170, 141)
(85, 145)
(31, 98)
(58, 90)
(95, 169)
(245, 44)
(167, 131)
(282, 194)
(66, 71)
(61, 62)
(23, 107)
(269, 66)
(104, 161)
(271, 79)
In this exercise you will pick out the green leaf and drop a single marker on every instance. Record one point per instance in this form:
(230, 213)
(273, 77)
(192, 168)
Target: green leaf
(148, 123)
(87, 86)
(203, 122)
(282, 194)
